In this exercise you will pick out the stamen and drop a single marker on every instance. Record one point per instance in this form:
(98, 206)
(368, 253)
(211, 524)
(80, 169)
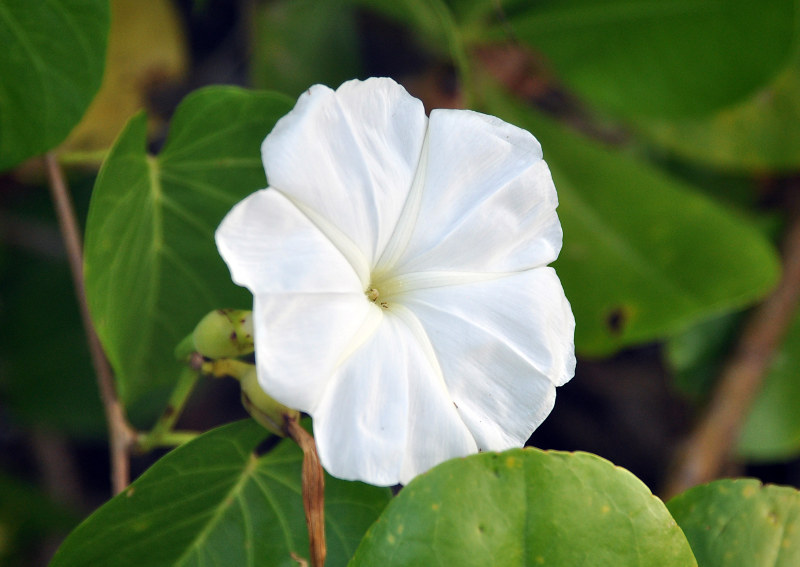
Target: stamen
(372, 294)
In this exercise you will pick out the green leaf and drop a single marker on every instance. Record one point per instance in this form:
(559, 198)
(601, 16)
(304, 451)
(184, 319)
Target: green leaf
(772, 429)
(152, 268)
(302, 43)
(644, 255)
(218, 501)
(732, 523)
(525, 507)
(51, 68)
(749, 136)
(664, 58)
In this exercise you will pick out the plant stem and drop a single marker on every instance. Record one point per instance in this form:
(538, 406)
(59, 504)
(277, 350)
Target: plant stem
(162, 435)
(707, 449)
(226, 367)
(313, 490)
(120, 432)
(93, 158)
(167, 439)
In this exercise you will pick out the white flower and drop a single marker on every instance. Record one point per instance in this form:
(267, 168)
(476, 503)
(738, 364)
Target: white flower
(398, 267)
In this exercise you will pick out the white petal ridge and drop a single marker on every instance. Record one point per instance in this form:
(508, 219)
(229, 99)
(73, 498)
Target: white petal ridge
(503, 346)
(487, 202)
(270, 246)
(385, 416)
(350, 155)
(300, 340)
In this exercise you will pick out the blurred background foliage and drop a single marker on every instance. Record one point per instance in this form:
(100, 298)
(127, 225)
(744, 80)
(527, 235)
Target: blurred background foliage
(671, 129)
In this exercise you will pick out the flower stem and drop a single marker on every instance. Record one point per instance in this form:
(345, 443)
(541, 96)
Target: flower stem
(93, 158)
(162, 435)
(166, 439)
(313, 490)
(226, 367)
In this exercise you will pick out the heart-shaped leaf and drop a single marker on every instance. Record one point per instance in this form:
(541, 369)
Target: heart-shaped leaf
(218, 501)
(152, 268)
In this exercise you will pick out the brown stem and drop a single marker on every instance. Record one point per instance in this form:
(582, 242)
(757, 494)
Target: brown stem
(120, 432)
(707, 449)
(313, 490)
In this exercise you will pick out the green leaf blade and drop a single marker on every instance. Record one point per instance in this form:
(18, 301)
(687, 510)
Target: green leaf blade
(152, 268)
(217, 501)
(47, 85)
(750, 136)
(667, 58)
(730, 523)
(525, 508)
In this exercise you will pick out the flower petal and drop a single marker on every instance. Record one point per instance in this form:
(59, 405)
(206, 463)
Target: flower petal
(300, 340)
(270, 246)
(349, 156)
(385, 416)
(503, 346)
(487, 201)
(436, 431)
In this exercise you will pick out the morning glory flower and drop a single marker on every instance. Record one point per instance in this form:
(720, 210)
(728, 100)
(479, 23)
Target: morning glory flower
(398, 265)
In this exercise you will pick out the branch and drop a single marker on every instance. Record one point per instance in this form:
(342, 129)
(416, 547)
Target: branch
(121, 433)
(707, 449)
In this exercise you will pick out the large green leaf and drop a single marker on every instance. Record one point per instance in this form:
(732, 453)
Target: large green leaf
(733, 523)
(51, 68)
(657, 58)
(152, 269)
(753, 135)
(217, 501)
(525, 507)
(644, 255)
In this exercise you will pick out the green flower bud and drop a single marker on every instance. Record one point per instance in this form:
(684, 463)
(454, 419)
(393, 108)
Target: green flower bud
(224, 333)
(262, 407)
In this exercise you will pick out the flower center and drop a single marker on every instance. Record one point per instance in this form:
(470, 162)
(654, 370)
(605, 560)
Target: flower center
(373, 295)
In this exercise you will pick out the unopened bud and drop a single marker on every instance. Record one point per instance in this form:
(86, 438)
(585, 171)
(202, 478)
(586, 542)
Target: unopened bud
(224, 333)
(262, 407)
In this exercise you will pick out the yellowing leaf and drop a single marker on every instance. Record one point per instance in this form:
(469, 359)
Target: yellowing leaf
(146, 48)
